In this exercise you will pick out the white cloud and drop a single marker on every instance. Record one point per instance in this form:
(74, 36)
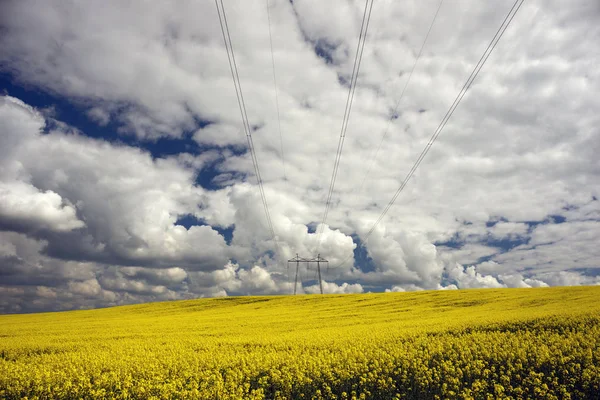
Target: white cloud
(470, 253)
(517, 281)
(90, 287)
(557, 247)
(402, 257)
(508, 230)
(334, 288)
(46, 292)
(234, 280)
(98, 114)
(129, 205)
(569, 278)
(465, 278)
(22, 206)
(256, 280)
(522, 146)
(406, 288)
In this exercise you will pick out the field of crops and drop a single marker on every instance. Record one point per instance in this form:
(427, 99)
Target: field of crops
(507, 343)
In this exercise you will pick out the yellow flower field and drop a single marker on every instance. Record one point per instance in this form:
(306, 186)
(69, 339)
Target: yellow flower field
(505, 343)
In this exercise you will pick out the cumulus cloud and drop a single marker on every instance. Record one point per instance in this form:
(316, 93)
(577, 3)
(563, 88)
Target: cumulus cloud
(569, 278)
(234, 280)
(465, 278)
(23, 207)
(405, 288)
(401, 257)
(334, 288)
(508, 195)
(473, 277)
(127, 202)
(517, 281)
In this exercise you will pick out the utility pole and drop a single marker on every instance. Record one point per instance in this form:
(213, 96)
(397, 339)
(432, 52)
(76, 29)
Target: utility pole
(319, 261)
(299, 260)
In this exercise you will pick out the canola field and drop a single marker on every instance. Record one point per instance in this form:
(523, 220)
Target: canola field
(470, 344)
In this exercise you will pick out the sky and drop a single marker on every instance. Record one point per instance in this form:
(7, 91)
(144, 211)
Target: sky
(125, 175)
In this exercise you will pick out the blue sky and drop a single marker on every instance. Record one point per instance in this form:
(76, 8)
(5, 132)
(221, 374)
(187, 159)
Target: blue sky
(125, 175)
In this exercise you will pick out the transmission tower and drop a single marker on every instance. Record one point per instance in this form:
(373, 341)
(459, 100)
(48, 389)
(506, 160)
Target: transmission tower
(299, 260)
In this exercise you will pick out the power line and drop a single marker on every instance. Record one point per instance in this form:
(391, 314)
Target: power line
(276, 92)
(394, 113)
(355, 70)
(454, 105)
(240, 98)
(486, 54)
(278, 115)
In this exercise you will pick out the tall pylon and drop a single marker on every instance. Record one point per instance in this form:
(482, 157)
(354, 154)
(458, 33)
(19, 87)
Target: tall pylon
(299, 260)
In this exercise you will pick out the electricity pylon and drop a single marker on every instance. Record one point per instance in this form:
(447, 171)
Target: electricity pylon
(299, 260)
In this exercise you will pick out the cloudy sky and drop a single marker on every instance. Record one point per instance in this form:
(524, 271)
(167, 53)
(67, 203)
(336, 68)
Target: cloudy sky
(125, 175)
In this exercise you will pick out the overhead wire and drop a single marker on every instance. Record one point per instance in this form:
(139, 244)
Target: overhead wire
(395, 111)
(276, 92)
(486, 54)
(397, 105)
(278, 113)
(242, 106)
(350, 98)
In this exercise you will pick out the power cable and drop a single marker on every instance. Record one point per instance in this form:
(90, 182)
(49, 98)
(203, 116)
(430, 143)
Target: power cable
(276, 92)
(394, 113)
(486, 54)
(242, 106)
(278, 112)
(355, 70)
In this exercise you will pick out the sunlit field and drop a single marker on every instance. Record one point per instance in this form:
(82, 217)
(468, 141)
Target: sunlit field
(518, 343)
